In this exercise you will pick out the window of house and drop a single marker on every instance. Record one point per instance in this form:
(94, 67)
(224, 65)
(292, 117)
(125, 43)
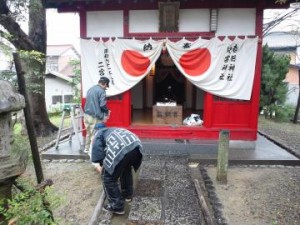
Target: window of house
(68, 98)
(52, 63)
(56, 99)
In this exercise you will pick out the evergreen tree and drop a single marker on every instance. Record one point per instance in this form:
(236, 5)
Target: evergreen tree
(273, 88)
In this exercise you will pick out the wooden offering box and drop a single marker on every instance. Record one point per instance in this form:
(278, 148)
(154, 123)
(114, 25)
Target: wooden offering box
(167, 114)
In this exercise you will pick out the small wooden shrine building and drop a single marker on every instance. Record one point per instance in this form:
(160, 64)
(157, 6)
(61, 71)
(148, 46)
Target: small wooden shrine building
(169, 59)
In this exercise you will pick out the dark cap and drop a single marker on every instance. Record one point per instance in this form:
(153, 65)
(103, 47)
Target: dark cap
(104, 80)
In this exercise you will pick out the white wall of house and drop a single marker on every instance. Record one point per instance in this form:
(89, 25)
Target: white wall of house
(194, 20)
(292, 95)
(56, 87)
(190, 20)
(105, 24)
(151, 16)
(236, 22)
(230, 22)
(292, 80)
(65, 58)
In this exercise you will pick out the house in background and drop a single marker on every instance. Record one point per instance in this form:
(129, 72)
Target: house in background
(59, 58)
(58, 91)
(287, 43)
(59, 73)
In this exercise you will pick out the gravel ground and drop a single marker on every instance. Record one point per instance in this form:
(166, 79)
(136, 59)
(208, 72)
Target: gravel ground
(261, 195)
(253, 195)
(287, 134)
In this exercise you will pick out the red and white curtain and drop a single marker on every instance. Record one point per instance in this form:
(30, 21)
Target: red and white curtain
(124, 61)
(222, 67)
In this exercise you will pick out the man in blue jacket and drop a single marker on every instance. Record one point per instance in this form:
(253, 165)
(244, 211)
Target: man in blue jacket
(116, 151)
(95, 109)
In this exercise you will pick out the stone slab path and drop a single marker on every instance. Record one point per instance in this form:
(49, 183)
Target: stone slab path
(165, 193)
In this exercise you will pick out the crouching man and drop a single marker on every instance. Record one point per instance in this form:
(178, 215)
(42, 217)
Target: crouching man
(116, 151)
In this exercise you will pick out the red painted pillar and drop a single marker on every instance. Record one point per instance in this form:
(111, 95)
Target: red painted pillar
(208, 110)
(257, 78)
(127, 108)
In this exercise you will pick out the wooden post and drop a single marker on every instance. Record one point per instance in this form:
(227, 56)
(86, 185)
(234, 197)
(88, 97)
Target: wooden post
(94, 219)
(29, 123)
(203, 205)
(223, 149)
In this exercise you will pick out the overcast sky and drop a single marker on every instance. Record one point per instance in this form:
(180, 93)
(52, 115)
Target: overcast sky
(62, 28)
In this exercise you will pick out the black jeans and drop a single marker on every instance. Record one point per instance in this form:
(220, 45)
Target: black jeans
(115, 196)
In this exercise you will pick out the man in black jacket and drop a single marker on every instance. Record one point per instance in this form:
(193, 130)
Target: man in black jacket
(116, 151)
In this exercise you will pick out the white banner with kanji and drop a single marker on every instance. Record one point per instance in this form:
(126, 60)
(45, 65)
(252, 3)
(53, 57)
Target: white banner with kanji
(124, 61)
(221, 67)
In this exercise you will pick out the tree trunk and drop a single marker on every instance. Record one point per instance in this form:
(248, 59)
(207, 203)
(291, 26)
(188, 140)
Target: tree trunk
(36, 40)
(38, 35)
(298, 103)
(41, 123)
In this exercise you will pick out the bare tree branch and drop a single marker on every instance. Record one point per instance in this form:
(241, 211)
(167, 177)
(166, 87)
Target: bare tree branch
(277, 20)
(21, 39)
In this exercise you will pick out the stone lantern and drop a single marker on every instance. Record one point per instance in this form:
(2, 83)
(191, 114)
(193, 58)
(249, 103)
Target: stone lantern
(12, 165)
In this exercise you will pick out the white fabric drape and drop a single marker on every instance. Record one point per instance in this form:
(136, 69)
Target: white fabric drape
(124, 62)
(222, 67)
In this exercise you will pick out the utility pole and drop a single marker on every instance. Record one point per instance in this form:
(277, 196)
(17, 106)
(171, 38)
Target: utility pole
(295, 120)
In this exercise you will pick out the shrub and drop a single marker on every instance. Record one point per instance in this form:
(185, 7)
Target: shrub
(31, 206)
(283, 113)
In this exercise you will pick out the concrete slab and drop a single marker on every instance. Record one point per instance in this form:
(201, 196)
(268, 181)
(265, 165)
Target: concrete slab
(263, 152)
(65, 150)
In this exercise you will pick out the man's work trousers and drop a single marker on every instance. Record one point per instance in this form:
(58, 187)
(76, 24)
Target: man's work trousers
(89, 123)
(115, 196)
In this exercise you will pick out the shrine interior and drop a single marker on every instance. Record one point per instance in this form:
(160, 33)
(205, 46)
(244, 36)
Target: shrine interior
(165, 86)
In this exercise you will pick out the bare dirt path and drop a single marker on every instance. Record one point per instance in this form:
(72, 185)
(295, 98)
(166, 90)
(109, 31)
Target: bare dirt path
(254, 195)
(79, 186)
(260, 195)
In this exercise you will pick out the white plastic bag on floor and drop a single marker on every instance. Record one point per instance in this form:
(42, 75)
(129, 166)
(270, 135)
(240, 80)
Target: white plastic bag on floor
(193, 120)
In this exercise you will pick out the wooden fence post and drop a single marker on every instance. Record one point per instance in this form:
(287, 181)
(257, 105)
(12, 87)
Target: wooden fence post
(223, 149)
